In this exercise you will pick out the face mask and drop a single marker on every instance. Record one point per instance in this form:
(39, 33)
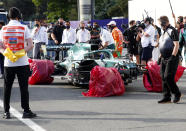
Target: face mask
(163, 24)
(61, 23)
(112, 27)
(37, 25)
(94, 26)
(82, 27)
(68, 27)
(88, 25)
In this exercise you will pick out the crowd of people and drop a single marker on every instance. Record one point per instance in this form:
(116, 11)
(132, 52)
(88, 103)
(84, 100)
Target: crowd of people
(148, 42)
(63, 33)
(145, 41)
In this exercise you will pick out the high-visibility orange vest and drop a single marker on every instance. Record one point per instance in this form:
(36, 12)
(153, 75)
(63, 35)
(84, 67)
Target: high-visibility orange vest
(118, 38)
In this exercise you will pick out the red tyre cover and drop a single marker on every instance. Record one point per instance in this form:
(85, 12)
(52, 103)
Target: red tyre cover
(105, 82)
(41, 71)
(152, 79)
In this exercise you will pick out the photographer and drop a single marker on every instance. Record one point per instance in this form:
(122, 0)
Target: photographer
(169, 46)
(146, 33)
(130, 39)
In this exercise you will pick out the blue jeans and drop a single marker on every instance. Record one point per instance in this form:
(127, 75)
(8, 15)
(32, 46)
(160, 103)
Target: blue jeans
(51, 43)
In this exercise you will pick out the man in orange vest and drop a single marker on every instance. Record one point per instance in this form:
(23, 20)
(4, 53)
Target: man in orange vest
(118, 38)
(15, 41)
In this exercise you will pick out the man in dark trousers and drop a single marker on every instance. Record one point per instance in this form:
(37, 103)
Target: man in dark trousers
(169, 46)
(1, 56)
(16, 38)
(57, 34)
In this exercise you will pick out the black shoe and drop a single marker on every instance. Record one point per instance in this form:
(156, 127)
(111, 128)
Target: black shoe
(29, 114)
(165, 100)
(6, 115)
(177, 98)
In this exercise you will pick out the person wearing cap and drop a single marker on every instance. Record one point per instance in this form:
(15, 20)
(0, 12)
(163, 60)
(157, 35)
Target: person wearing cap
(15, 42)
(83, 35)
(118, 38)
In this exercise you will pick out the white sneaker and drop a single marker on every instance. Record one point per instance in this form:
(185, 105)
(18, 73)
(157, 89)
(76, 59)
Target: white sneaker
(1, 76)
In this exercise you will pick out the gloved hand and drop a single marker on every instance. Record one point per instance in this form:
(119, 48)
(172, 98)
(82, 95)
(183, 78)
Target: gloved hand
(20, 53)
(172, 57)
(10, 55)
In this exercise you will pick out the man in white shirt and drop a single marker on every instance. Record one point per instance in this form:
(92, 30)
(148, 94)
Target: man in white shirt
(147, 41)
(83, 35)
(107, 40)
(14, 38)
(40, 37)
(69, 35)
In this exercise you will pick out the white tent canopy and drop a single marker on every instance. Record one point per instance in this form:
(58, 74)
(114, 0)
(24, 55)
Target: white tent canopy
(155, 9)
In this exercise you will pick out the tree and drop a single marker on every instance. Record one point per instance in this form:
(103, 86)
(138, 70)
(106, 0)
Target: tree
(26, 7)
(53, 9)
(66, 9)
(111, 8)
(40, 8)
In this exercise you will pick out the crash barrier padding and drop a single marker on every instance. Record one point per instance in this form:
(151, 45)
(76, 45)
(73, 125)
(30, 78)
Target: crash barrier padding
(152, 79)
(105, 82)
(41, 71)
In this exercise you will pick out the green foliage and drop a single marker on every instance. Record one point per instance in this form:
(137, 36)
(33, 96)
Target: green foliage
(111, 8)
(26, 7)
(67, 9)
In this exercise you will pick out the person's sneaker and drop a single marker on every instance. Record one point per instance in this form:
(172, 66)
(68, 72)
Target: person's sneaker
(6, 115)
(1, 76)
(29, 114)
(165, 100)
(177, 98)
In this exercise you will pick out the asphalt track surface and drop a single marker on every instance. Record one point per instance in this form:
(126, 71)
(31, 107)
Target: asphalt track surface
(61, 107)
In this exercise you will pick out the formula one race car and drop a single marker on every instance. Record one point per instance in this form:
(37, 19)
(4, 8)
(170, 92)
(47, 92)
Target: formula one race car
(82, 58)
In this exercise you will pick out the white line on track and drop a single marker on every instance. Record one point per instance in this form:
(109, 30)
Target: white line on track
(28, 122)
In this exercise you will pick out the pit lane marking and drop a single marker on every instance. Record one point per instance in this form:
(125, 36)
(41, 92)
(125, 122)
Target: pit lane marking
(28, 122)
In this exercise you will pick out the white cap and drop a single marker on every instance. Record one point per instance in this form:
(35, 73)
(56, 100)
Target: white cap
(112, 23)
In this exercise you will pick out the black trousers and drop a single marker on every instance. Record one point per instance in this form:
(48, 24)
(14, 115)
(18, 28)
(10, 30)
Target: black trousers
(168, 70)
(2, 63)
(22, 73)
(57, 55)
